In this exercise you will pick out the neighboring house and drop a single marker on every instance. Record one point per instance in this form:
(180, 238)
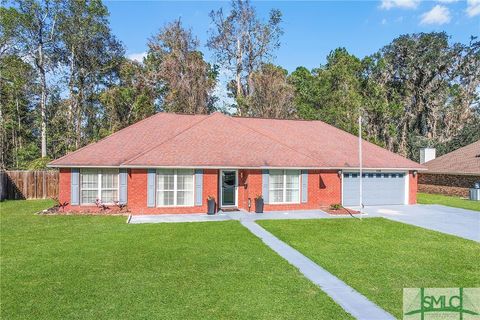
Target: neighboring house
(171, 163)
(453, 173)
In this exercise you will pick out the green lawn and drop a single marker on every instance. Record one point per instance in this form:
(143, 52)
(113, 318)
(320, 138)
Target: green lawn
(98, 267)
(457, 202)
(379, 257)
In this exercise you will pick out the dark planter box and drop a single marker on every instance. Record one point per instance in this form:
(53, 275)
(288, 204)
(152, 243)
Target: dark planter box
(259, 205)
(211, 206)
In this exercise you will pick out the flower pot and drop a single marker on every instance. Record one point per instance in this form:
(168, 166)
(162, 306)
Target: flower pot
(259, 205)
(211, 206)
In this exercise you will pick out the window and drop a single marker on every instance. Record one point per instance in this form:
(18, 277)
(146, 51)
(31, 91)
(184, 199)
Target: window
(98, 184)
(284, 186)
(174, 187)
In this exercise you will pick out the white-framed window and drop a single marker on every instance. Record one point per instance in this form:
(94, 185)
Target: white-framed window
(99, 184)
(175, 187)
(284, 186)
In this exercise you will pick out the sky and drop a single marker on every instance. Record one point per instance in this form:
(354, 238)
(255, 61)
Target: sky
(311, 28)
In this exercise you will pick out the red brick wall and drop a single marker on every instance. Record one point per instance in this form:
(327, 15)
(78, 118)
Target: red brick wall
(137, 193)
(64, 194)
(64, 186)
(447, 184)
(324, 188)
(412, 188)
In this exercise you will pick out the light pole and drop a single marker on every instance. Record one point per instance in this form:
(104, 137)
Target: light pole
(360, 163)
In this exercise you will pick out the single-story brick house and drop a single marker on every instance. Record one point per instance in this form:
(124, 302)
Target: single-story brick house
(453, 173)
(171, 163)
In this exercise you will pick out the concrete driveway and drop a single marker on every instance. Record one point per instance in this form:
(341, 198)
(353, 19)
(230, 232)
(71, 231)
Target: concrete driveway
(458, 222)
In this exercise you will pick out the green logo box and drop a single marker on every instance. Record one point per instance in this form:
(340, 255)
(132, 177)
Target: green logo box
(441, 303)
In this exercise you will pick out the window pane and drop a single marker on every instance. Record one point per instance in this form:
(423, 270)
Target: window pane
(109, 179)
(184, 198)
(165, 198)
(88, 196)
(185, 180)
(292, 196)
(109, 196)
(89, 179)
(293, 179)
(276, 179)
(276, 195)
(165, 180)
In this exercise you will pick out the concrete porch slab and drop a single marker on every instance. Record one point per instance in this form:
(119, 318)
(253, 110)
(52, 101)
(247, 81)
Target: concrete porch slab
(234, 215)
(175, 218)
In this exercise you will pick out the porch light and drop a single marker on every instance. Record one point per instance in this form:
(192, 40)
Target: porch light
(339, 173)
(414, 173)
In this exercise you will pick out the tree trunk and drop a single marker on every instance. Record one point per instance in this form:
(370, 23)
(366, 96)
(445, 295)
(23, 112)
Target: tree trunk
(79, 107)
(238, 76)
(43, 100)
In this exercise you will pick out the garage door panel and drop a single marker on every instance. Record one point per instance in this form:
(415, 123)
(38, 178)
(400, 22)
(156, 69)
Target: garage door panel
(378, 188)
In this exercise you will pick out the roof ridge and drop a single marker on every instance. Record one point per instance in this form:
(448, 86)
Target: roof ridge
(271, 138)
(158, 114)
(165, 141)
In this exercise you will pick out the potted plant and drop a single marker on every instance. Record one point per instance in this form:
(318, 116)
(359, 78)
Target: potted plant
(211, 205)
(259, 204)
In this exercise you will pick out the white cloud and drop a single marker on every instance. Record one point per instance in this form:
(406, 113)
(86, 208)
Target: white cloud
(438, 15)
(384, 21)
(404, 4)
(473, 8)
(447, 1)
(137, 56)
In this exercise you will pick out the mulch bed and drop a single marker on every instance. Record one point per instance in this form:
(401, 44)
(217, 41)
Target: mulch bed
(341, 211)
(58, 211)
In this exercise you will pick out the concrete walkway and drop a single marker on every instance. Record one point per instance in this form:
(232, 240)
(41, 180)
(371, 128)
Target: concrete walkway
(350, 300)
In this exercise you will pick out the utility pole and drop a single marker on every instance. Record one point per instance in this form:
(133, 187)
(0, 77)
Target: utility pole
(360, 163)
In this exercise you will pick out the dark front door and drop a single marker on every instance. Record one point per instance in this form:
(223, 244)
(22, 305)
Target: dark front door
(228, 182)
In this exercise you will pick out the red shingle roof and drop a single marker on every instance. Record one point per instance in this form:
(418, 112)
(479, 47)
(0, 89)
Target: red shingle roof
(217, 140)
(465, 160)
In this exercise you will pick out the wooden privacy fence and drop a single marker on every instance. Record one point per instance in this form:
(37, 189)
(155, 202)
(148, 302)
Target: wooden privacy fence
(28, 184)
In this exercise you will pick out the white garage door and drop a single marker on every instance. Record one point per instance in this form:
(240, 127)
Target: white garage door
(378, 188)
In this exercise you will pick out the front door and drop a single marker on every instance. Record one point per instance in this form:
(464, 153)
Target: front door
(228, 188)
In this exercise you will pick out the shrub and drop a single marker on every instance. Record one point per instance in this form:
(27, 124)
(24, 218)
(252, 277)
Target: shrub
(336, 206)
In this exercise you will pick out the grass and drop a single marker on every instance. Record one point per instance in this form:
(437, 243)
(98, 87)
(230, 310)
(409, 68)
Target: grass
(457, 202)
(98, 267)
(379, 257)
